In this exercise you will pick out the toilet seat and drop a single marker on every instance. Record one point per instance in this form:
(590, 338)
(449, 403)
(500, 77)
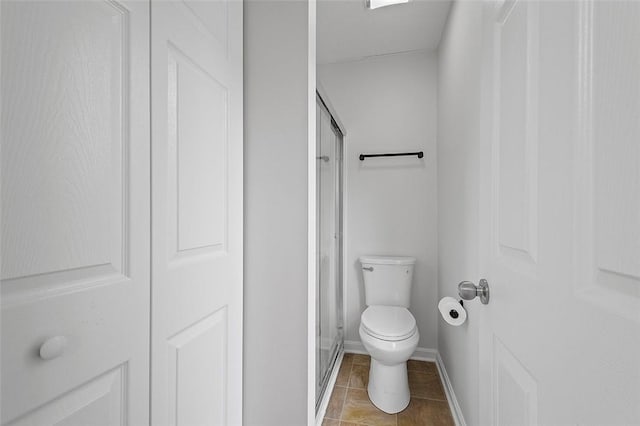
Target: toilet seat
(390, 323)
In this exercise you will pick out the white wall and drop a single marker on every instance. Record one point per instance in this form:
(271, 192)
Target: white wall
(458, 156)
(279, 99)
(388, 104)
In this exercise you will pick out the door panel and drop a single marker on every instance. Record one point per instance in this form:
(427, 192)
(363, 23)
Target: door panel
(197, 372)
(71, 161)
(608, 191)
(514, 390)
(197, 212)
(197, 106)
(516, 85)
(75, 211)
(97, 403)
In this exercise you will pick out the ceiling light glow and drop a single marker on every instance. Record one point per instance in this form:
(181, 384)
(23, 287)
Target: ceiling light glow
(375, 4)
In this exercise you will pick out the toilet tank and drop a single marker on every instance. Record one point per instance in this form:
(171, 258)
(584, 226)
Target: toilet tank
(387, 279)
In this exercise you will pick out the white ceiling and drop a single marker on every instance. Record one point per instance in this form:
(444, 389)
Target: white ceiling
(347, 30)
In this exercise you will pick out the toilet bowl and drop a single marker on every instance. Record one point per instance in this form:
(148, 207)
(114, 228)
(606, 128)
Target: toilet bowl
(390, 336)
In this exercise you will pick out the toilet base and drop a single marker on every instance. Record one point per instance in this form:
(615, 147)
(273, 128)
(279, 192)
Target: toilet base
(389, 386)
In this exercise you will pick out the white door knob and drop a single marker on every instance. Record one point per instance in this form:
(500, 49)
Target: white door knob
(53, 347)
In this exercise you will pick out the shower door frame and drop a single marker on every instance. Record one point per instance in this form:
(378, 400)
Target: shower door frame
(338, 129)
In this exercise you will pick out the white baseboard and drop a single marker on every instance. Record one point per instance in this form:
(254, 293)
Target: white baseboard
(329, 390)
(456, 411)
(423, 354)
(354, 347)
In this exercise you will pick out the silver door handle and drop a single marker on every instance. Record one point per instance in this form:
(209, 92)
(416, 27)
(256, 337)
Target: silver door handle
(368, 268)
(468, 291)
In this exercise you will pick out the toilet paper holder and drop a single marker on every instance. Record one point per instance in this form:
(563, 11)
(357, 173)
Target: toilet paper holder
(454, 314)
(468, 291)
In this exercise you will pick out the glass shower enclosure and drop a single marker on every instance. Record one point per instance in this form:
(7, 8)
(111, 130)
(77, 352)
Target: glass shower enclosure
(329, 319)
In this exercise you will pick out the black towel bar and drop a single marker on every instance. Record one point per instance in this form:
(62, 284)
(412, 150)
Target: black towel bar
(419, 154)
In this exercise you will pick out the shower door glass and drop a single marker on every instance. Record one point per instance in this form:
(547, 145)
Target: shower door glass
(329, 327)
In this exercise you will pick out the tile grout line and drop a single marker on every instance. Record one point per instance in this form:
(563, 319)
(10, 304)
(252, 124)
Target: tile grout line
(429, 399)
(347, 387)
(344, 400)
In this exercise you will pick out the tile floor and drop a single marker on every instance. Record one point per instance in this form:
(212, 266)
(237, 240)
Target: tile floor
(350, 406)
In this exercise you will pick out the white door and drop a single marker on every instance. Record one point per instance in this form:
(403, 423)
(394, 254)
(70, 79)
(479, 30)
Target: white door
(75, 212)
(561, 212)
(197, 148)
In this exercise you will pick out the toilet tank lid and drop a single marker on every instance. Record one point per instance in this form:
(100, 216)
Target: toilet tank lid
(388, 260)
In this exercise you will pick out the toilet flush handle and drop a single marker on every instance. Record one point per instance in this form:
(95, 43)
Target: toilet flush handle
(368, 268)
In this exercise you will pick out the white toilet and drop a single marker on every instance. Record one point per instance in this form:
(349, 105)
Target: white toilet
(387, 329)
